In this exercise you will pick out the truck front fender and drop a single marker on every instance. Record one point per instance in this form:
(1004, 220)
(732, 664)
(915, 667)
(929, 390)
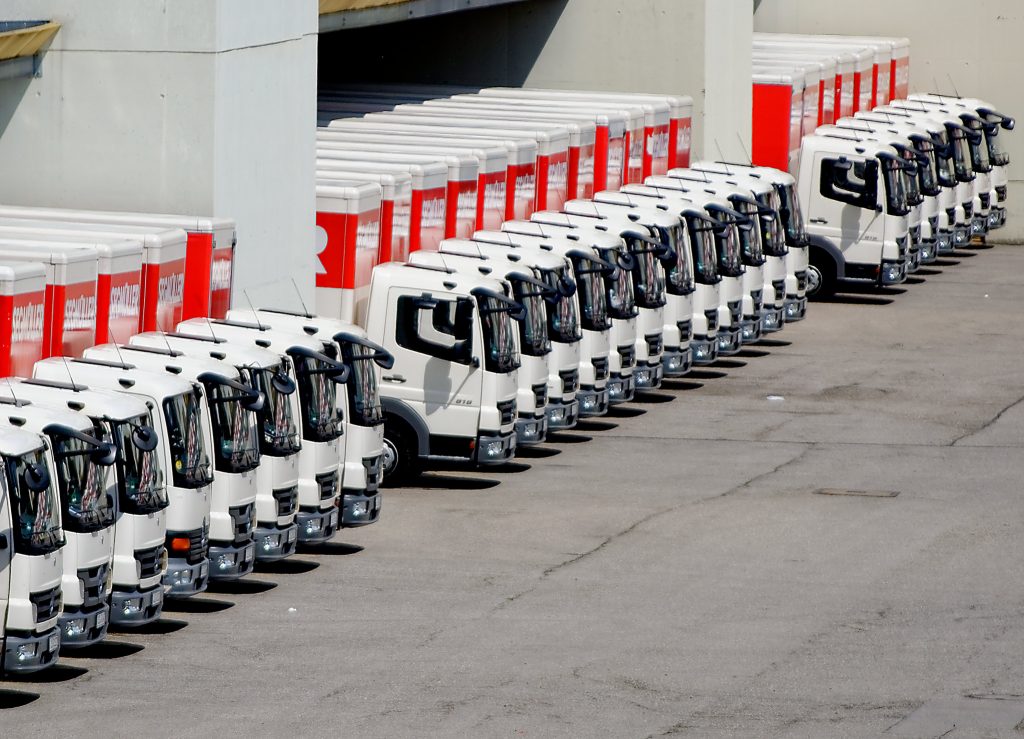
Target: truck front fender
(402, 410)
(828, 246)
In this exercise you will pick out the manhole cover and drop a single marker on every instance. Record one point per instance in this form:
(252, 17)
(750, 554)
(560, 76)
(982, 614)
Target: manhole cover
(861, 493)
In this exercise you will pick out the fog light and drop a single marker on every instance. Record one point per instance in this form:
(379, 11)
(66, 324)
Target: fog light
(361, 507)
(615, 389)
(891, 273)
(74, 627)
(673, 362)
(588, 402)
(556, 414)
(960, 236)
(993, 219)
(642, 377)
(494, 449)
(927, 251)
(701, 351)
(270, 542)
(225, 562)
(770, 320)
(943, 241)
(313, 526)
(748, 332)
(977, 226)
(131, 606)
(26, 652)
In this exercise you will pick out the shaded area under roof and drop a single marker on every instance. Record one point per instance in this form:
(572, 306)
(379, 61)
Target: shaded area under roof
(20, 44)
(337, 15)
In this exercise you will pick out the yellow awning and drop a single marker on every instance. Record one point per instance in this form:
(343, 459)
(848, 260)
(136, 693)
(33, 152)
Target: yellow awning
(335, 6)
(27, 40)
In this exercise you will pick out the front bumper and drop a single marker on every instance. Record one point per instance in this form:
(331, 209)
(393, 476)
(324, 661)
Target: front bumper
(136, 607)
(359, 510)
(531, 430)
(495, 448)
(592, 402)
(182, 579)
(647, 376)
(275, 542)
(81, 628)
(316, 526)
(729, 341)
(772, 320)
(676, 362)
(796, 308)
(562, 415)
(30, 652)
(621, 389)
(704, 351)
(232, 561)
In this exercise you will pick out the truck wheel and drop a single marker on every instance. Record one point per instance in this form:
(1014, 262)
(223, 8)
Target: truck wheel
(400, 462)
(821, 275)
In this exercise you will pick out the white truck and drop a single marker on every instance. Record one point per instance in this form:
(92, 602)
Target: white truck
(590, 300)
(88, 506)
(177, 409)
(229, 419)
(364, 421)
(140, 554)
(857, 213)
(452, 391)
(31, 552)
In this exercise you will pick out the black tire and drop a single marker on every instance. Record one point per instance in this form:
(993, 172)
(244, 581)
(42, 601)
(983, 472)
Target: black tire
(821, 275)
(401, 463)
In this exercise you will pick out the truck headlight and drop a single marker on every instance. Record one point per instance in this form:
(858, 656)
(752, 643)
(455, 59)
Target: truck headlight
(131, 606)
(270, 542)
(493, 449)
(74, 627)
(556, 414)
(26, 652)
(359, 508)
(225, 562)
(312, 525)
(588, 402)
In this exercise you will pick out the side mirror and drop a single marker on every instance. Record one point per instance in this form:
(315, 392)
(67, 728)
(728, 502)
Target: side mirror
(283, 383)
(103, 455)
(840, 181)
(36, 478)
(254, 402)
(144, 438)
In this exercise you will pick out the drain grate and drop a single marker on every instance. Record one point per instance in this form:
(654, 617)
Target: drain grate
(860, 493)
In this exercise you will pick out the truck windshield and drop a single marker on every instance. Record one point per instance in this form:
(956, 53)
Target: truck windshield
(730, 259)
(563, 315)
(363, 395)
(321, 418)
(750, 238)
(235, 441)
(962, 157)
(533, 329)
(83, 485)
(792, 216)
(141, 478)
(928, 174)
(979, 149)
(280, 432)
(705, 254)
(680, 276)
(996, 153)
(911, 174)
(190, 461)
(619, 287)
(499, 335)
(35, 508)
(895, 191)
(773, 231)
(944, 160)
(648, 276)
(592, 296)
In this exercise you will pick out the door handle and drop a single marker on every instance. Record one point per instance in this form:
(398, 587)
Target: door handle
(819, 221)
(393, 378)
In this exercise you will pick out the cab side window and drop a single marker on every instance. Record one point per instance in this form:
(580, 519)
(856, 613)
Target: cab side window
(436, 327)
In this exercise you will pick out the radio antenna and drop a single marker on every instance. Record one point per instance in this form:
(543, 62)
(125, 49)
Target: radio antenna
(746, 153)
(67, 367)
(723, 159)
(117, 349)
(248, 300)
(10, 386)
(951, 82)
(301, 301)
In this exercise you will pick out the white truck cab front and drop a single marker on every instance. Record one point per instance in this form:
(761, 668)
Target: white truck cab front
(31, 553)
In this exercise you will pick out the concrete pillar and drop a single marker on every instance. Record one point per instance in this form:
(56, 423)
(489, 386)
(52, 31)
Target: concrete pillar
(192, 106)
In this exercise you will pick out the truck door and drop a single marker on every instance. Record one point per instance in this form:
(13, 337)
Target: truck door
(843, 202)
(435, 372)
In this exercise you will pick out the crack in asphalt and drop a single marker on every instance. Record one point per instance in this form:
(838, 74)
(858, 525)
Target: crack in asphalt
(649, 517)
(988, 423)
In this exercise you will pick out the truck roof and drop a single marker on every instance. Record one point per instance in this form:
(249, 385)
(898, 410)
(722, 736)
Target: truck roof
(236, 353)
(15, 441)
(163, 359)
(112, 376)
(114, 405)
(430, 277)
(563, 228)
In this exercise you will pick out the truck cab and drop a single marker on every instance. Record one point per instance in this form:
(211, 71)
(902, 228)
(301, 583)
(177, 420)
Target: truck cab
(185, 451)
(81, 465)
(31, 553)
(140, 554)
(364, 420)
(229, 418)
(452, 391)
(857, 213)
(760, 202)
(589, 299)
(557, 321)
(793, 224)
(617, 285)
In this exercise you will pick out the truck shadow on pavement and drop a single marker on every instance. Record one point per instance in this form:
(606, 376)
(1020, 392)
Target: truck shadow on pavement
(106, 649)
(246, 586)
(57, 674)
(332, 549)
(290, 566)
(198, 605)
(434, 481)
(159, 627)
(537, 452)
(16, 698)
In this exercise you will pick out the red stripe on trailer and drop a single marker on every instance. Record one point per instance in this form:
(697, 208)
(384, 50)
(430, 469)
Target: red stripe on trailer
(198, 260)
(679, 133)
(331, 234)
(601, 158)
(491, 199)
(163, 290)
(117, 306)
(22, 330)
(773, 125)
(461, 203)
(521, 191)
(387, 228)
(427, 219)
(221, 274)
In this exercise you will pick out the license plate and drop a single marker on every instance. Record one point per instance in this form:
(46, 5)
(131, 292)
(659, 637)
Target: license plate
(54, 643)
(291, 535)
(158, 597)
(247, 554)
(203, 569)
(101, 619)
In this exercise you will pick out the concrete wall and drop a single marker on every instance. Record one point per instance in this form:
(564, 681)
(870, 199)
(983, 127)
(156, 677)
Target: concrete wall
(672, 46)
(191, 106)
(975, 47)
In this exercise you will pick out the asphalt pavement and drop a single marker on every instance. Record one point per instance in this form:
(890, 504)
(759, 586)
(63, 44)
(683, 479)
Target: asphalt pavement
(822, 536)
